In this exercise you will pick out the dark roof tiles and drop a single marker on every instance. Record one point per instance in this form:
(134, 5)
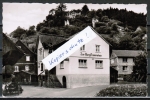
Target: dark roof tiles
(127, 53)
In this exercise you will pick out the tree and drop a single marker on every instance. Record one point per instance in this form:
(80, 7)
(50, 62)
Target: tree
(105, 19)
(18, 32)
(140, 68)
(114, 27)
(31, 31)
(84, 10)
(92, 14)
(99, 14)
(61, 7)
(126, 43)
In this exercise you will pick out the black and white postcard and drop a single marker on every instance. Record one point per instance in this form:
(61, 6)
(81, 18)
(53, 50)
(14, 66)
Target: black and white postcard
(112, 64)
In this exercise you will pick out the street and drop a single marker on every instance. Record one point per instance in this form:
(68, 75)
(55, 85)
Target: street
(32, 91)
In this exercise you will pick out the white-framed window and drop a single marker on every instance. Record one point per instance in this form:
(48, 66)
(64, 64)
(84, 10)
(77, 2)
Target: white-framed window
(82, 48)
(124, 68)
(97, 48)
(26, 68)
(41, 66)
(82, 63)
(124, 59)
(16, 68)
(98, 64)
(27, 58)
(62, 65)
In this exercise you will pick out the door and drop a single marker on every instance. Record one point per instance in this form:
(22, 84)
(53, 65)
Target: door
(64, 82)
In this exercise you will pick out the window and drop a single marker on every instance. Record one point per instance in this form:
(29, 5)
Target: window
(50, 50)
(41, 66)
(40, 51)
(26, 68)
(99, 64)
(124, 68)
(16, 69)
(43, 53)
(97, 48)
(62, 65)
(124, 59)
(27, 58)
(82, 48)
(82, 63)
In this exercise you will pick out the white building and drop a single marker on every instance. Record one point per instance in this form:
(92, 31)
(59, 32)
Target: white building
(90, 65)
(123, 61)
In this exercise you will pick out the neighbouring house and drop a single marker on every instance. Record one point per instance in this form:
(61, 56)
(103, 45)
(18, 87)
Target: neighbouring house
(26, 67)
(85, 67)
(11, 53)
(46, 44)
(123, 61)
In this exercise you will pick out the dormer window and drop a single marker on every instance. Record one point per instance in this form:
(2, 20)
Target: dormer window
(27, 58)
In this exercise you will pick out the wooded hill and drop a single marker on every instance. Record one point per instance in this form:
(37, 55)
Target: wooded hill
(125, 30)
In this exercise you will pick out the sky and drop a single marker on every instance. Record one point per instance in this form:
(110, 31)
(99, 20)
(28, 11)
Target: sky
(28, 14)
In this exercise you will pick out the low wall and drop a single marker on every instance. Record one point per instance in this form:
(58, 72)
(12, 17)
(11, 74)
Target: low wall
(75, 80)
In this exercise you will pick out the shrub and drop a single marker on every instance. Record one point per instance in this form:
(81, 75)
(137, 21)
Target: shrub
(98, 24)
(124, 90)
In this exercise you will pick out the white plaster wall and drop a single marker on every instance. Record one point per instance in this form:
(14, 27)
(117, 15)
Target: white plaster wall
(129, 63)
(72, 67)
(91, 69)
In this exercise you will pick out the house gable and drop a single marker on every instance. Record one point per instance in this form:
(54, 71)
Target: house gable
(24, 48)
(89, 55)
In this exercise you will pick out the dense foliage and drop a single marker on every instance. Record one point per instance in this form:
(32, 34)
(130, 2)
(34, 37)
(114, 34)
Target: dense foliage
(124, 91)
(139, 73)
(118, 26)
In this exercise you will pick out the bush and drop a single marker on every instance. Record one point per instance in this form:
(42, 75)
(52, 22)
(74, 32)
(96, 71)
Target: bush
(124, 90)
(98, 24)
(103, 30)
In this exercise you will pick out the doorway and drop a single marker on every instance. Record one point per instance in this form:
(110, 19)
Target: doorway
(64, 82)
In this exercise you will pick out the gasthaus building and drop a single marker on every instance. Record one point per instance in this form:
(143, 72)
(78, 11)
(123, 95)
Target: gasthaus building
(88, 66)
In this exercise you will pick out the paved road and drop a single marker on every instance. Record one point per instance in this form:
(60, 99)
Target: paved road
(31, 91)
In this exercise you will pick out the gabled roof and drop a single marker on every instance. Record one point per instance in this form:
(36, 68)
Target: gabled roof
(13, 55)
(127, 53)
(50, 40)
(9, 40)
(25, 47)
